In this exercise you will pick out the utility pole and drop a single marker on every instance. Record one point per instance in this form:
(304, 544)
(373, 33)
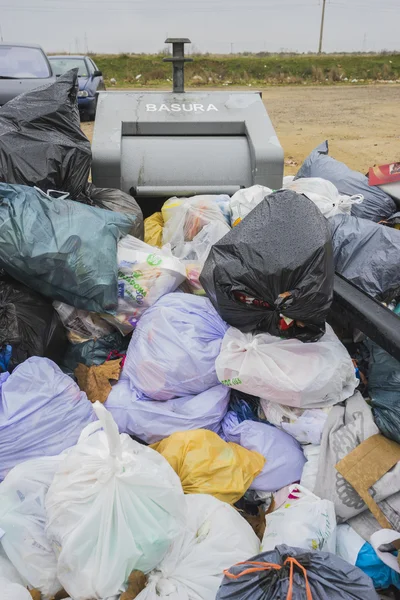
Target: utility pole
(321, 33)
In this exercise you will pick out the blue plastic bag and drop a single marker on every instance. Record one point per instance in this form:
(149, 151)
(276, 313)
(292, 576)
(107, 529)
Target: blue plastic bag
(173, 348)
(151, 420)
(283, 454)
(63, 249)
(42, 412)
(382, 575)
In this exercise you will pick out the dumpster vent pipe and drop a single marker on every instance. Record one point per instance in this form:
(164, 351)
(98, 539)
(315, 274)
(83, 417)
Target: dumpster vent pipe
(178, 62)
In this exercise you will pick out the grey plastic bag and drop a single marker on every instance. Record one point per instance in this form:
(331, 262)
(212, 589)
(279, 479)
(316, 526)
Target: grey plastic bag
(377, 204)
(118, 201)
(367, 254)
(63, 249)
(309, 576)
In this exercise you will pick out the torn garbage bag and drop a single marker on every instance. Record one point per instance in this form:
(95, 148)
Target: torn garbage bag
(284, 459)
(325, 195)
(144, 275)
(113, 506)
(304, 520)
(194, 565)
(206, 464)
(81, 325)
(151, 420)
(95, 351)
(287, 371)
(62, 249)
(41, 142)
(376, 206)
(295, 574)
(118, 201)
(274, 271)
(28, 324)
(23, 520)
(384, 391)
(43, 409)
(174, 346)
(367, 255)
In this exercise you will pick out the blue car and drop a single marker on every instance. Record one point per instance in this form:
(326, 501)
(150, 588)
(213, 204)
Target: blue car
(91, 80)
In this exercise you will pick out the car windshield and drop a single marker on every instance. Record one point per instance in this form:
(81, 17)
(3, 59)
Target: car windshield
(21, 62)
(62, 65)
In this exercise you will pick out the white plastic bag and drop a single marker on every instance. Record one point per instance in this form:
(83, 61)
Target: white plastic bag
(145, 274)
(306, 426)
(114, 506)
(243, 201)
(287, 371)
(348, 543)
(325, 195)
(8, 571)
(216, 537)
(188, 221)
(380, 538)
(23, 520)
(310, 469)
(13, 591)
(303, 521)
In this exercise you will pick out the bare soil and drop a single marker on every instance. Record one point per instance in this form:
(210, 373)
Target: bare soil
(361, 123)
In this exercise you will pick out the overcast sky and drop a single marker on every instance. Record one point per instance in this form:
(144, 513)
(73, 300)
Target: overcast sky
(212, 25)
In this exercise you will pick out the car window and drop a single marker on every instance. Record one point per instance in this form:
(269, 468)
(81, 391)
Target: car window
(62, 65)
(23, 62)
(89, 67)
(94, 65)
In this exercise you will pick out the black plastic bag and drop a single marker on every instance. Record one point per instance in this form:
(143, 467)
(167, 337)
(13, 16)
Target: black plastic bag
(41, 142)
(277, 261)
(95, 352)
(384, 391)
(377, 204)
(310, 575)
(29, 324)
(64, 250)
(368, 255)
(117, 201)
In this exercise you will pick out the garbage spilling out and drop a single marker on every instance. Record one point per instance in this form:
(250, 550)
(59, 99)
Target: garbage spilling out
(190, 407)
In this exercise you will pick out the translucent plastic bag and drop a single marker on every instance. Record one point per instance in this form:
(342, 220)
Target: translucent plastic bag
(216, 536)
(287, 371)
(23, 520)
(304, 521)
(173, 349)
(81, 324)
(13, 591)
(182, 230)
(206, 463)
(171, 206)
(144, 275)
(325, 195)
(306, 426)
(243, 201)
(114, 506)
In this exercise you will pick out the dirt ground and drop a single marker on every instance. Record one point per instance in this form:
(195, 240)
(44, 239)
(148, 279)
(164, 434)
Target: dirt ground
(360, 122)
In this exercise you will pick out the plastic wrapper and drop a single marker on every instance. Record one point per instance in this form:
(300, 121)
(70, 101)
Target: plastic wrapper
(206, 464)
(287, 371)
(173, 349)
(41, 142)
(28, 325)
(81, 324)
(63, 249)
(376, 206)
(144, 275)
(274, 271)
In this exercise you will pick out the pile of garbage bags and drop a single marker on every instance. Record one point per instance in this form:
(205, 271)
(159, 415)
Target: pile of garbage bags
(179, 415)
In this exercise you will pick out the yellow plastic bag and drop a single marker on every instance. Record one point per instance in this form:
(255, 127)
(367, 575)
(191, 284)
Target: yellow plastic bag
(153, 229)
(208, 465)
(169, 207)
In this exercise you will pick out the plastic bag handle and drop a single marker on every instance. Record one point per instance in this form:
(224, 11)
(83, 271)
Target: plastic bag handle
(108, 425)
(59, 195)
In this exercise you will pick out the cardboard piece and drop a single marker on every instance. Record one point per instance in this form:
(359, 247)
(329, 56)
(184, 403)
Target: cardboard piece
(365, 465)
(95, 380)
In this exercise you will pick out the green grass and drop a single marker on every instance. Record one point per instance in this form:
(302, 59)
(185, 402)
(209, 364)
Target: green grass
(254, 69)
